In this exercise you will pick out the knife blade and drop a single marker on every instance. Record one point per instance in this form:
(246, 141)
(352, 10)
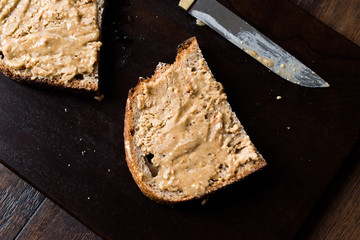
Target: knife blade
(254, 43)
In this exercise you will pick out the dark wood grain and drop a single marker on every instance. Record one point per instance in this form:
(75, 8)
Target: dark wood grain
(51, 222)
(67, 154)
(343, 16)
(26, 214)
(337, 214)
(18, 202)
(341, 220)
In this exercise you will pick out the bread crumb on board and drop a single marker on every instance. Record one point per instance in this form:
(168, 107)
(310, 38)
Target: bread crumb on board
(200, 23)
(99, 97)
(204, 201)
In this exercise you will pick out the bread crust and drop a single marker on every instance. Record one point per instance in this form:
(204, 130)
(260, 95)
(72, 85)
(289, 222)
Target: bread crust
(47, 83)
(131, 157)
(129, 148)
(89, 88)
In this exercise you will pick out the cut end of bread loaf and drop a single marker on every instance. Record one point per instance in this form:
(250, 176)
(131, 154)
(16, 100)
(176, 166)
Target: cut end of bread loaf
(182, 139)
(55, 44)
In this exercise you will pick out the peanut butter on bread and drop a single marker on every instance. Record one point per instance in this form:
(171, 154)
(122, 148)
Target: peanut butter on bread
(53, 42)
(182, 139)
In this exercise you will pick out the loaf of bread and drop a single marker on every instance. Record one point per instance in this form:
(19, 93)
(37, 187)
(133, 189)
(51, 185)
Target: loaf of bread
(182, 140)
(52, 43)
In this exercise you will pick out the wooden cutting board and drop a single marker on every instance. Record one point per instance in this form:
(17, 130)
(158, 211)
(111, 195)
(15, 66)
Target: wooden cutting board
(70, 147)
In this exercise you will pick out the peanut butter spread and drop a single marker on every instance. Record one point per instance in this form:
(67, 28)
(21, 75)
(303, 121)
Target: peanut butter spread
(187, 125)
(265, 61)
(49, 39)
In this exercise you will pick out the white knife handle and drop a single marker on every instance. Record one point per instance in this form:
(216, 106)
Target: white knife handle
(186, 4)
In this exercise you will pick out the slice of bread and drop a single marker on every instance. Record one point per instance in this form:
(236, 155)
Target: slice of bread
(182, 140)
(52, 43)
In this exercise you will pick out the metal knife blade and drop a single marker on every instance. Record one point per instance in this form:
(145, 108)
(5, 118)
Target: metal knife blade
(247, 38)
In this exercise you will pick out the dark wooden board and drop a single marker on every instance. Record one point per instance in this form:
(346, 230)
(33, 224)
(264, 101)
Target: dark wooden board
(337, 213)
(26, 214)
(76, 156)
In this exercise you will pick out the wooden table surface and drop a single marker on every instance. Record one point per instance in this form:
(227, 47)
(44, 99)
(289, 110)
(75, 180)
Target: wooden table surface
(27, 214)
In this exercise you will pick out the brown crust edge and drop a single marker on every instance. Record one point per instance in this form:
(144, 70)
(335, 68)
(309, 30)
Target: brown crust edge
(44, 82)
(131, 157)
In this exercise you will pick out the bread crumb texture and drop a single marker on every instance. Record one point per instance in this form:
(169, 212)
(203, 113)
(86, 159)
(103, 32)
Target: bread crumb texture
(57, 40)
(186, 131)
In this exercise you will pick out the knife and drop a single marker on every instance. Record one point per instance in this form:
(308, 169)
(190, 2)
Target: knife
(257, 45)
